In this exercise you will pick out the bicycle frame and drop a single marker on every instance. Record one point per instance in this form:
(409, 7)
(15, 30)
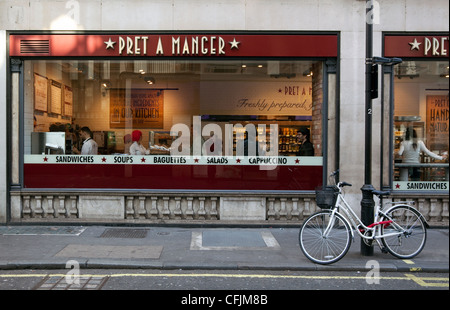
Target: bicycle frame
(356, 224)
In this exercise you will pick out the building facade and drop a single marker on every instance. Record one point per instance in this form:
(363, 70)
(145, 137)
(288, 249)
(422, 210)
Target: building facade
(199, 109)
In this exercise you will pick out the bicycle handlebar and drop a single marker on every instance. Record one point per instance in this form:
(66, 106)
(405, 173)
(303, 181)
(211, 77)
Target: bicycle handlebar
(342, 184)
(335, 174)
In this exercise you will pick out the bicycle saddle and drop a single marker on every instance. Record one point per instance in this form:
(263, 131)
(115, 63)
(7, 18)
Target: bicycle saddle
(381, 193)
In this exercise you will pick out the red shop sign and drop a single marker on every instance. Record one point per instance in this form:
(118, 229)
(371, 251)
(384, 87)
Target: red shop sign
(174, 45)
(416, 46)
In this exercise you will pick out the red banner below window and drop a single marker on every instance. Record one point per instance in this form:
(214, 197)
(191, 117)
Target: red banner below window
(177, 177)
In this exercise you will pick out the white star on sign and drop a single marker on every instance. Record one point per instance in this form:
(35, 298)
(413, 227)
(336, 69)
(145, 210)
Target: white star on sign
(110, 44)
(234, 44)
(414, 45)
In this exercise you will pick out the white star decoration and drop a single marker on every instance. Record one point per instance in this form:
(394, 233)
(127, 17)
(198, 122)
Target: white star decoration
(110, 44)
(414, 45)
(234, 44)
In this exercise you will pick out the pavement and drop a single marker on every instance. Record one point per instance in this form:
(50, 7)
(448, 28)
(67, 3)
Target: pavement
(195, 248)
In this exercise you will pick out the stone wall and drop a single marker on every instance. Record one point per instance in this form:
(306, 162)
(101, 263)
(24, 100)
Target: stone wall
(186, 208)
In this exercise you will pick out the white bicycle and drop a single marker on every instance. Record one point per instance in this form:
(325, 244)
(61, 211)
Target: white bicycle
(325, 236)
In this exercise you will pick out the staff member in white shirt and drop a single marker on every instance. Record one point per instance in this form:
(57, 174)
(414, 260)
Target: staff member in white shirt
(410, 150)
(137, 148)
(89, 147)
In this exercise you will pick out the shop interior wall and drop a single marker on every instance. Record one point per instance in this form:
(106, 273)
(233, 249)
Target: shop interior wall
(411, 94)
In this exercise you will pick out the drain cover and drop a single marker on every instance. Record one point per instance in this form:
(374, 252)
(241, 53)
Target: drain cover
(124, 233)
(78, 283)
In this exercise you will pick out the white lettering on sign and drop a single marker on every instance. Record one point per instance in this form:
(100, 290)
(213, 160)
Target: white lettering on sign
(138, 46)
(204, 45)
(432, 46)
(202, 159)
(436, 46)
(159, 48)
(421, 185)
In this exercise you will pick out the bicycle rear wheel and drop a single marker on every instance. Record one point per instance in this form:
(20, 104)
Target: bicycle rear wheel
(412, 241)
(323, 249)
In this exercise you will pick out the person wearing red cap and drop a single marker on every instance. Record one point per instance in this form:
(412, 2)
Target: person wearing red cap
(137, 148)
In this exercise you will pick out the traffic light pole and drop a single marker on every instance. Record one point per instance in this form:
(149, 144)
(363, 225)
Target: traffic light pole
(367, 202)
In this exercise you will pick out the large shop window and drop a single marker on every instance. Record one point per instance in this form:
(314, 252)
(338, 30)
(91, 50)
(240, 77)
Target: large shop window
(421, 139)
(170, 124)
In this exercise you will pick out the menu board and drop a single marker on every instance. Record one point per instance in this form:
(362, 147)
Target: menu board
(40, 92)
(55, 97)
(68, 101)
(136, 108)
(437, 122)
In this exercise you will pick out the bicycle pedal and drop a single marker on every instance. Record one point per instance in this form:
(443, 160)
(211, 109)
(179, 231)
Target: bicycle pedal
(383, 250)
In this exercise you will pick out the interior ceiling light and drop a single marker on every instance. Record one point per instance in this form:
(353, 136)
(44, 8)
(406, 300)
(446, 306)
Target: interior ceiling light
(106, 84)
(150, 80)
(308, 72)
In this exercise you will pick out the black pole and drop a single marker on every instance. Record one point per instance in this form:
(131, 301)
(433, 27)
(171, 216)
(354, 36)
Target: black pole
(367, 202)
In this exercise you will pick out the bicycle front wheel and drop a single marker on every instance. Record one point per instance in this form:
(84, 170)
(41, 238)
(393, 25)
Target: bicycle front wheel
(410, 230)
(321, 245)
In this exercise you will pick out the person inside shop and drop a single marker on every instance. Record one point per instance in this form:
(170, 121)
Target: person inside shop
(127, 141)
(89, 147)
(137, 148)
(410, 150)
(306, 147)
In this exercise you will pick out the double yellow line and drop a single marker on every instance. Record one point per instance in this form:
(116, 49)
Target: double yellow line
(422, 281)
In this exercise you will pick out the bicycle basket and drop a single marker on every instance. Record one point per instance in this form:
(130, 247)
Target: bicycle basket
(326, 196)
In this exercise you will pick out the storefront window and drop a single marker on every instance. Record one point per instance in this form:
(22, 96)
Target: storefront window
(421, 132)
(167, 124)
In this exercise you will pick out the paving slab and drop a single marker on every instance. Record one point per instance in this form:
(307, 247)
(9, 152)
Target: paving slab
(110, 251)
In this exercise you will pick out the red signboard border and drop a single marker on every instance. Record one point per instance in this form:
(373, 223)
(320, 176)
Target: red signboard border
(397, 44)
(264, 44)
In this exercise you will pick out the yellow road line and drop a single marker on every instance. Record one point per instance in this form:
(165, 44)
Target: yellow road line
(422, 281)
(412, 269)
